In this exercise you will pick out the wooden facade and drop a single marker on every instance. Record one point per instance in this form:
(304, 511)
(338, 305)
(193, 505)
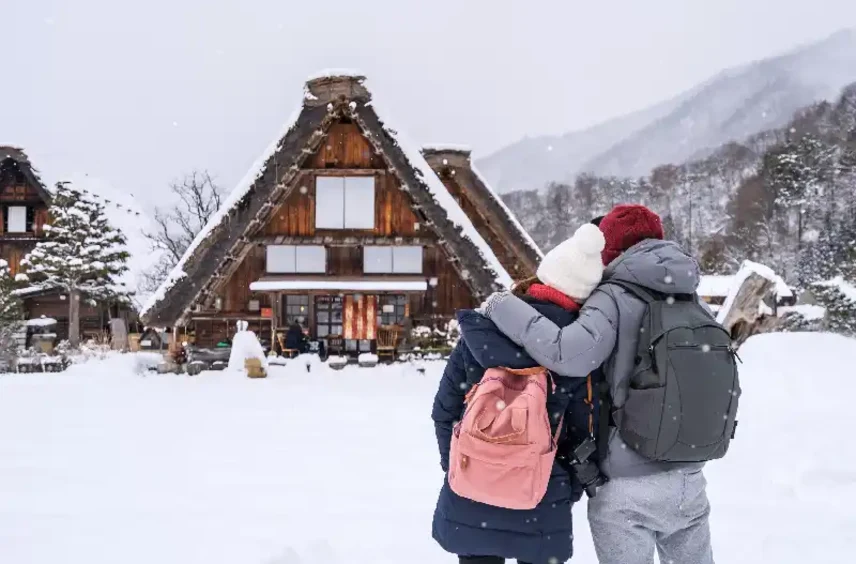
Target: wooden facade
(395, 260)
(24, 206)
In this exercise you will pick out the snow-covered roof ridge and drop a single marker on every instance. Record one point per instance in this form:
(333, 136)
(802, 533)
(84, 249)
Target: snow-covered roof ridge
(237, 194)
(442, 147)
(336, 73)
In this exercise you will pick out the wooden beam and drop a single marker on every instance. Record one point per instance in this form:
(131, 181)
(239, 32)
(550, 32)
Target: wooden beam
(346, 241)
(345, 171)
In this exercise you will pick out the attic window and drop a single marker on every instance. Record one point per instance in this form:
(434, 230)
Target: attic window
(290, 259)
(345, 202)
(16, 219)
(392, 260)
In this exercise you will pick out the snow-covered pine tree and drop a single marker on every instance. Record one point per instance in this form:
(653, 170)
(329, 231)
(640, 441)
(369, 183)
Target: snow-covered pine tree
(11, 314)
(81, 254)
(840, 309)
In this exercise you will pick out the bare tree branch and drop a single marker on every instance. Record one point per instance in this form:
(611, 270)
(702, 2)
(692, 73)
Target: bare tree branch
(198, 198)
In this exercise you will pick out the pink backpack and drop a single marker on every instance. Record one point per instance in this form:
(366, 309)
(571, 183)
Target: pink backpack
(502, 450)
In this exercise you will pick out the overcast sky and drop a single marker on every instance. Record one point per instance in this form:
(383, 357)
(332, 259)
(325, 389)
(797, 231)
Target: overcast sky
(137, 93)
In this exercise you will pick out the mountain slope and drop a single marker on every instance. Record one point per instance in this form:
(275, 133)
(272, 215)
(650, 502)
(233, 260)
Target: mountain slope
(733, 105)
(532, 162)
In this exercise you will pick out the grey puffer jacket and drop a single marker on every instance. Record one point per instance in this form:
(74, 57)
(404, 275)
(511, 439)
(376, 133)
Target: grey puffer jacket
(606, 333)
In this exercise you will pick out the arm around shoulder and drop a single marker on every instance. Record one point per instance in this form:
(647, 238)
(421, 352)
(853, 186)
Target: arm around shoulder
(574, 350)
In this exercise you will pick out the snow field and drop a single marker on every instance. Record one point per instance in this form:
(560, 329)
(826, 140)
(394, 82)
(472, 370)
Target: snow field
(107, 462)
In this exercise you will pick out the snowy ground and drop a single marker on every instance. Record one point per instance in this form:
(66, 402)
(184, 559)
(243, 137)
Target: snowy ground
(106, 464)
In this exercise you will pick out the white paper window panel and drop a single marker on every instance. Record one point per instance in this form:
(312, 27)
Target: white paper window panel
(17, 219)
(311, 259)
(407, 260)
(377, 260)
(329, 202)
(280, 259)
(359, 202)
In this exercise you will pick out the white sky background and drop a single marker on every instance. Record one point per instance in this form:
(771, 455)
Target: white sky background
(138, 93)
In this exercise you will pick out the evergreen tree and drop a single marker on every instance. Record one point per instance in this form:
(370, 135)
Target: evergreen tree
(11, 314)
(81, 254)
(840, 309)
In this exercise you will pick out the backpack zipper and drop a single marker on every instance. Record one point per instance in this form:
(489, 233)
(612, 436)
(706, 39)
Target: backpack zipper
(728, 348)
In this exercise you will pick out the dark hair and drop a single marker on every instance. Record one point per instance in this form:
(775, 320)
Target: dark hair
(597, 220)
(520, 288)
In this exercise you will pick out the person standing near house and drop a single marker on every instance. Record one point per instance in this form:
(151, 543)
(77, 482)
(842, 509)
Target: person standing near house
(479, 533)
(646, 504)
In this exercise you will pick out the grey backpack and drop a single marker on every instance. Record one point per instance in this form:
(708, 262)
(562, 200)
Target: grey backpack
(682, 397)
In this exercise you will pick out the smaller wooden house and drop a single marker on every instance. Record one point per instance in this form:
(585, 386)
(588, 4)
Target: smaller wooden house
(345, 229)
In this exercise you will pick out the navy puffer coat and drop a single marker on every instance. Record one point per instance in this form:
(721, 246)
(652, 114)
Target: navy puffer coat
(468, 528)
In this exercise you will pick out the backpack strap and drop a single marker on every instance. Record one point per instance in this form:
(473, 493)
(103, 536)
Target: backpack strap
(603, 420)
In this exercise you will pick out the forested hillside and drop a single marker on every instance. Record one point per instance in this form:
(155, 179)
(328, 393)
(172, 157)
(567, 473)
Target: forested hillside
(785, 197)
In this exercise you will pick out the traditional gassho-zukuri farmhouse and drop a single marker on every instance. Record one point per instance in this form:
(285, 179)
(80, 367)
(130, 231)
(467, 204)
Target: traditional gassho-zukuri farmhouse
(346, 228)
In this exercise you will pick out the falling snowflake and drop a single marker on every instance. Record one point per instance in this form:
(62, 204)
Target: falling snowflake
(484, 524)
(463, 385)
(175, 124)
(670, 300)
(549, 148)
(304, 189)
(353, 106)
(500, 405)
(705, 348)
(668, 279)
(553, 560)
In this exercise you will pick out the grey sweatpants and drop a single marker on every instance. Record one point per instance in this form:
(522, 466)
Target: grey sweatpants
(629, 517)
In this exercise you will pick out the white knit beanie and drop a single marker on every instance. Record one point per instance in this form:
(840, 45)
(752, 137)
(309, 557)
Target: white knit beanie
(575, 267)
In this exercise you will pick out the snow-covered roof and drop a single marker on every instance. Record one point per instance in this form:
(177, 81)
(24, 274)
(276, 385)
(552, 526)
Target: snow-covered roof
(335, 73)
(441, 194)
(457, 147)
(527, 239)
(306, 123)
(719, 285)
(360, 284)
(235, 196)
(41, 322)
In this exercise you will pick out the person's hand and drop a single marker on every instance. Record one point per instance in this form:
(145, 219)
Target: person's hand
(491, 301)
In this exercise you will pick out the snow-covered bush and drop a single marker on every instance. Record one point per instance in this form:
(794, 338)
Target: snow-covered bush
(839, 298)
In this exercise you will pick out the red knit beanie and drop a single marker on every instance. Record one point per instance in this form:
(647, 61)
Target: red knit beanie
(625, 226)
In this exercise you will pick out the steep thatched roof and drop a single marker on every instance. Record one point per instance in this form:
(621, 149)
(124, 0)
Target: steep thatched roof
(224, 242)
(453, 163)
(22, 161)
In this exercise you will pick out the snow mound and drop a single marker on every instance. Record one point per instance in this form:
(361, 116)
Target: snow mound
(846, 288)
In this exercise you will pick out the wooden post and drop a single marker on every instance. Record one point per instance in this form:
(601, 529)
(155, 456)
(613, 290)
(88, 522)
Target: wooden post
(74, 318)
(274, 322)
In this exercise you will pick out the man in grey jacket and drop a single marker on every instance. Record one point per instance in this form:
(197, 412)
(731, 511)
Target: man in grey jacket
(645, 504)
